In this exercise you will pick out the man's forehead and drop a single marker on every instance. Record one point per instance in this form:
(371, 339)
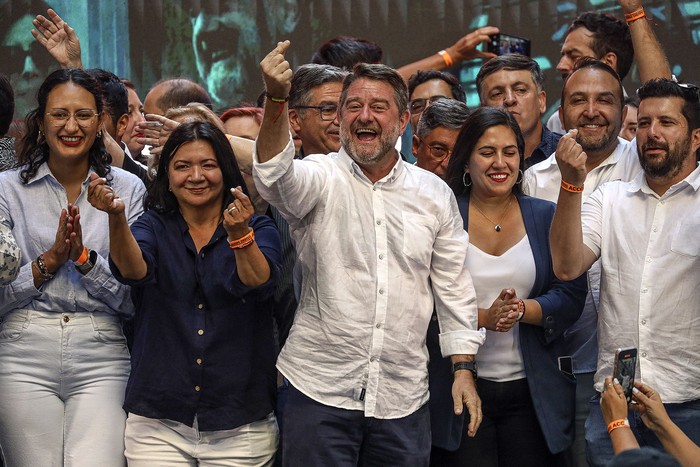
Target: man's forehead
(591, 80)
(432, 87)
(579, 39)
(508, 77)
(671, 106)
(328, 91)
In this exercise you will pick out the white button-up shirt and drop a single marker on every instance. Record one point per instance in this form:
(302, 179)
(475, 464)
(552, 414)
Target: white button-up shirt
(543, 181)
(375, 259)
(649, 249)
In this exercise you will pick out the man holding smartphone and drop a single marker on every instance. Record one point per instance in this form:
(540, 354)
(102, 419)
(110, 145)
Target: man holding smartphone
(645, 233)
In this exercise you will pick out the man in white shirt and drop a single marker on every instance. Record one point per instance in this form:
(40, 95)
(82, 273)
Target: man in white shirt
(591, 103)
(380, 242)
(645, 233)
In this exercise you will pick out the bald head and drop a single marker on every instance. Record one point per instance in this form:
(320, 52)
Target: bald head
(175, 92)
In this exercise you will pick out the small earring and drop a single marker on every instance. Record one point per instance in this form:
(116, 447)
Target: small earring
(99, 134)
(520, 177)
(464, 180)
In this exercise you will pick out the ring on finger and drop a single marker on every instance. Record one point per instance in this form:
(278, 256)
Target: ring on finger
(230, 210)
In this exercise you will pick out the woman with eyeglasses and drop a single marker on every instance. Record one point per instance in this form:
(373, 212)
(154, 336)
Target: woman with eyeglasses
(202, 267)
(527, 400)
(64, 362)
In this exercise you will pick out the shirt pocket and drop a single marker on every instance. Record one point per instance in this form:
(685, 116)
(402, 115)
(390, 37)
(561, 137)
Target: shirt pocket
(418, 237)
(686, 240)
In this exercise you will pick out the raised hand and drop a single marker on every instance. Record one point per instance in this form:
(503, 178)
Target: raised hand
(156, 130)
(237, 215)
(276, 71)
(630, 5)
(465, 47)
(59, 39)
(76, 235)
(571, 159)
(102, 197)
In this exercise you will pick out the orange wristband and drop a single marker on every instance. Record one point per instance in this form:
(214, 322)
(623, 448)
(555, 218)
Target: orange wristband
(615, 424)
(244, 241)
(446, 57)
(83, 256)
(571, 188)
(635, 15)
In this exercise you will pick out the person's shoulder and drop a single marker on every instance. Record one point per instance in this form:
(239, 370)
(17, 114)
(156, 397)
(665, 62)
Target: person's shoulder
(124, 177)
(537, 204)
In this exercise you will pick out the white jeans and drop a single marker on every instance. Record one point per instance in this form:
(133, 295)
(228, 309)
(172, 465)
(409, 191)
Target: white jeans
(150, 442)
(62, 380)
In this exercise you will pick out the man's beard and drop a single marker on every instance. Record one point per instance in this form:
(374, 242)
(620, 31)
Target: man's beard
(363, 155)
(660, 166)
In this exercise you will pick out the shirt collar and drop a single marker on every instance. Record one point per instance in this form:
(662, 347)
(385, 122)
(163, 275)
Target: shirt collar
(352, 166)
(43, 171)
(639, 183)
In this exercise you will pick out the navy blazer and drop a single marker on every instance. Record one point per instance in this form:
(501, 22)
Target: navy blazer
(553, 392)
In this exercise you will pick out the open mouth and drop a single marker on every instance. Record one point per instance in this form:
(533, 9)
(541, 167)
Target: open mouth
(71, 140)
(365, 134)
(498, 177)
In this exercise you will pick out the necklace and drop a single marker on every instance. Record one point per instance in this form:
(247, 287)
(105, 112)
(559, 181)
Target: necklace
(496, 226)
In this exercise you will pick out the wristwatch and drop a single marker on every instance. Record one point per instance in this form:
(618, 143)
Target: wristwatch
(88, 264)
(471, 366)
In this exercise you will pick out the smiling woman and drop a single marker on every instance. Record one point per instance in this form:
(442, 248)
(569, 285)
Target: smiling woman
(523, 307)
(202, 267)
(67, 404)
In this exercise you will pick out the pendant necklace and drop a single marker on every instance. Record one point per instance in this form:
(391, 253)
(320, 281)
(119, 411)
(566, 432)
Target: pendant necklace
(496, 226)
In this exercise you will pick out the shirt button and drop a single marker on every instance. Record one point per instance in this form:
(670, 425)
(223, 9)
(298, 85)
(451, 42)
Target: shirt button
(648, 259)
(644, 354)
(200, 332)
(197, 388)
(381, 256)
(374, 359)
(655, 228)
(644, 290)
(379, 325)
(199, 361)
(200, 306)
(66, 319)
(381, 291)
(202, 256)
(379, 222)
(644, 321)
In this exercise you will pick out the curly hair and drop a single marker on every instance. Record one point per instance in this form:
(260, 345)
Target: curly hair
(35, 150)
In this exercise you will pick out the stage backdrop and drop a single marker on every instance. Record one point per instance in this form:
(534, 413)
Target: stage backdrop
(220, 42)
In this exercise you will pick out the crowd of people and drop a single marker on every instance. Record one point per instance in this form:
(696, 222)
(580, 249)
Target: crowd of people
(274, 284)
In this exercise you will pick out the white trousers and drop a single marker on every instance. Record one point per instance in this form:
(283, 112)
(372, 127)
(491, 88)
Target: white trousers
(62, 380)
(150, 442)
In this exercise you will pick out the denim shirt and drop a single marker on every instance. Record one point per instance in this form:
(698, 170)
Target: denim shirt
(203, 341)
(32, 212)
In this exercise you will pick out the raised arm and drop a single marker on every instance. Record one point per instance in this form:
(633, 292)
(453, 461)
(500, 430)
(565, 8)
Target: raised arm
(123, 248)
(463, 49)
(60, 40)
(570, 257)
(274, 131)
(650, 56)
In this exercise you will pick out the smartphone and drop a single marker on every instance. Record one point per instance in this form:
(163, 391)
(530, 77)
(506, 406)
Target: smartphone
(502, 44)
(625, 365)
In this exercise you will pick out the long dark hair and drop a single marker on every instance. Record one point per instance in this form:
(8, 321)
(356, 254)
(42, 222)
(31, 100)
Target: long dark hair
(35, 150)
(474, 127)
(161, 198)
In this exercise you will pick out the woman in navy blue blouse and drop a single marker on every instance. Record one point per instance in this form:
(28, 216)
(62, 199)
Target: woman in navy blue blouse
(202, 268)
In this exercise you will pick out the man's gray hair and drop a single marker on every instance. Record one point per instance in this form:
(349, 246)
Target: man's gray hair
(378, 72)
(309, 76)
(447, 113)
(510, 62)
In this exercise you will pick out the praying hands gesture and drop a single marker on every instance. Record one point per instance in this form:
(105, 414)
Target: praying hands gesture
(68, 243)
(60, 40)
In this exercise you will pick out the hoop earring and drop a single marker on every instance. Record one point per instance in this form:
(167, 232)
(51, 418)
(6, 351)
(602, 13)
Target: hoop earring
(464, 180)
(521, 175)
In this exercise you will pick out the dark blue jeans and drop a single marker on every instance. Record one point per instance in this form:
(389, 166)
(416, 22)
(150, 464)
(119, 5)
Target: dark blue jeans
(599, 449)
(320, 435)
